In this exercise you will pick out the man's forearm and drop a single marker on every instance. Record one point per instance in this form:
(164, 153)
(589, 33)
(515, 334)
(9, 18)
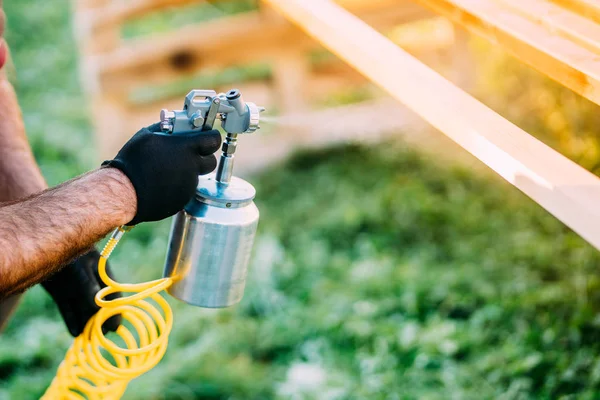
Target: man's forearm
(19, 173)
(42, 232)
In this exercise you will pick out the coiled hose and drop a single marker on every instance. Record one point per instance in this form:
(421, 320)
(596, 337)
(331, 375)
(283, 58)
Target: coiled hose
(95, 367)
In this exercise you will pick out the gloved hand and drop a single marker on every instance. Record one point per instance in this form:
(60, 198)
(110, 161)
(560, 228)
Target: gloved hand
(73, 289)
(164, 169)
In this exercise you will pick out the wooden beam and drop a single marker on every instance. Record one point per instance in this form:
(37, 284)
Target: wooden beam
(587, 8)
(226, 41)
(559, 58)
(118, 12)
(581, 30)
(463, 71)
(566, 190)
(88, 41)
(249, 37)
(291, 74)
(110, 115)
(326, 76)
(91, 3)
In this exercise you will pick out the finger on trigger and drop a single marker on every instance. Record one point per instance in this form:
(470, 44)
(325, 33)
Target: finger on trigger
(208, 142)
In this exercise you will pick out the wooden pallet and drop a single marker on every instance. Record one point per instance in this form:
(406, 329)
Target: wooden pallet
(560, 38)
(563, 188)
(113, 68)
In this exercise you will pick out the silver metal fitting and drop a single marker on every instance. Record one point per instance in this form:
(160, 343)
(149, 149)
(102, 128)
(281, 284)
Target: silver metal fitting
(197, 119)
(229, 147)
(166, 120)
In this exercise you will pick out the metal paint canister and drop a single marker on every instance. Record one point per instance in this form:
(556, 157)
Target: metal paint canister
(211, 242)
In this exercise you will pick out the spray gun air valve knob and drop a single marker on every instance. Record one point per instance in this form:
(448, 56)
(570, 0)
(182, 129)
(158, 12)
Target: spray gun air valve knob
(254, 113)
(166, 120)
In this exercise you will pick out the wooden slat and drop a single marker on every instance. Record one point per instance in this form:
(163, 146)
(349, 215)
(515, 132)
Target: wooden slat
(291, 72)
(566, 190)
(149, 61)
(569, 24)
(91, 3)
(109, 113)
(561, 59)
(587, 8)
(118, 12)
(249, 37)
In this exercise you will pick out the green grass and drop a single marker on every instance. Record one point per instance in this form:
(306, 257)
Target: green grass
(377, 274)
(426, 282)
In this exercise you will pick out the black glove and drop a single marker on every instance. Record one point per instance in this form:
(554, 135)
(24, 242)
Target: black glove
(73, 289)
(164, 169)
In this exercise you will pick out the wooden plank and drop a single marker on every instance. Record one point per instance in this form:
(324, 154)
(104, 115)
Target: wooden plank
(575, 27)
(92, 42)
(291, 74)
(92, 3)
(118, 12)
(110, 115)
(142, 52)
(588, 8)
(235, 39)
(561, 59)
(566, 190)
(250, 37)
(463, 73)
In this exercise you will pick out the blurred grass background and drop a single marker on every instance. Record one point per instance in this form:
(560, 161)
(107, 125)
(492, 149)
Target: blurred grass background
(430, 281)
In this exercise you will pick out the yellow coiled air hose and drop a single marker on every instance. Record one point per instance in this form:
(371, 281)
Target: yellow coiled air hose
(95, 367)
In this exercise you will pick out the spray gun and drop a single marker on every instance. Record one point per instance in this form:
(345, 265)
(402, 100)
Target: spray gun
(211, 239)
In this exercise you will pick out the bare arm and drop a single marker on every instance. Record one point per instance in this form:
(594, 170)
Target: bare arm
(44, 231)
(19, 174)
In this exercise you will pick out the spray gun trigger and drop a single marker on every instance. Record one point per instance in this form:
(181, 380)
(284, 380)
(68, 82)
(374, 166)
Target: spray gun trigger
(213, 110)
